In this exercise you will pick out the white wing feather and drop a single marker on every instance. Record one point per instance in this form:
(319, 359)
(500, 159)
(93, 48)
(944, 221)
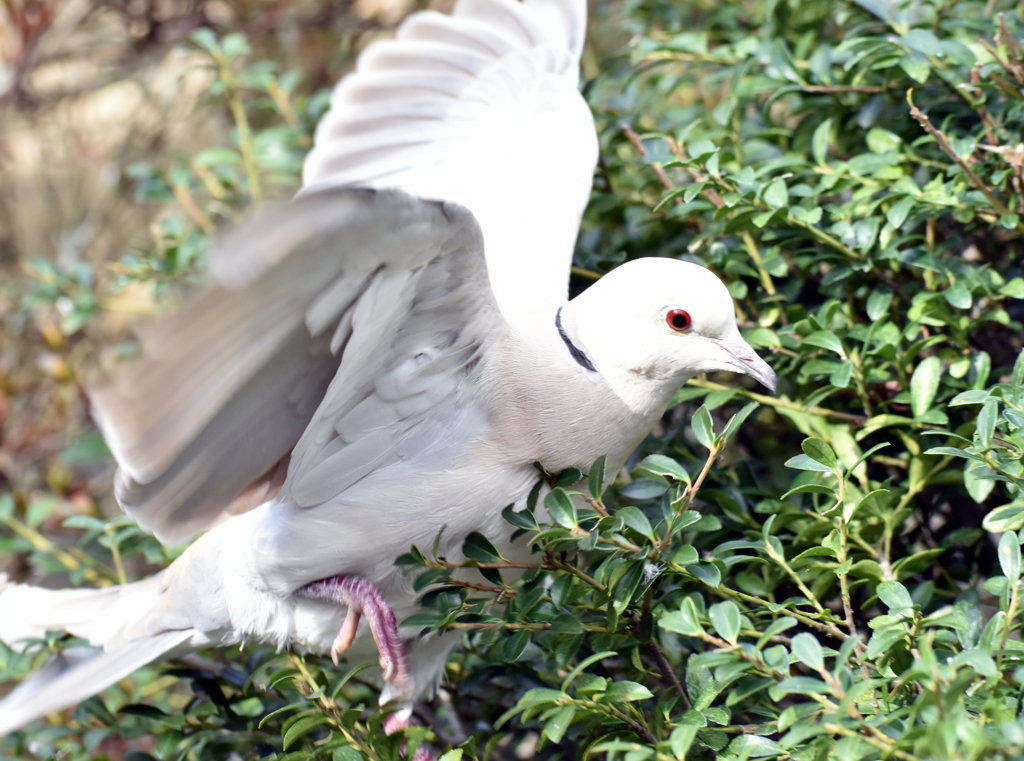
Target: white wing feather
(481, 108)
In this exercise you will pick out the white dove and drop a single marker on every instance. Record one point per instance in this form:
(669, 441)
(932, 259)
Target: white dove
(389, 355)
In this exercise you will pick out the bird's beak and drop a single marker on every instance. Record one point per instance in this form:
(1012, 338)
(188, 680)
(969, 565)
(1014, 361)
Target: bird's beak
(743, 359)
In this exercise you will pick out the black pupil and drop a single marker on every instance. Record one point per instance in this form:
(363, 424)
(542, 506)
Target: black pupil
(680, 320)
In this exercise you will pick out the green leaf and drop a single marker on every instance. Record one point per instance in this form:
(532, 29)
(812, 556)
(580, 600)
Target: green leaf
(753, 746)
(479, 548)
(596, 478)
(738, 419)
(800, 685)
(643, 488)
(1009, 555)
(924, 384)
(878, 422)
(635, 519)
(625, 692)
(681, 740)
(972, 396)
(777, 626)
(561, 508)
(807, 650)
(820, 452)
(1005, 518)
(809, 488)
(725, 618)
(879, 8)
(883, 640)
(300, 725)
(820, 141)
(895, 596)
(776, 195)
(685, 555)
(825, 339)
(896, 216)
(882, 140)
(217, 156)
(958, 296)
(811, 216)
(234, 45)
(702, 427)
(987, 418)
(686, 620)
(977, 659)
(803, 462)
(708, 573)
(923, 41)
(978, 487)
(661, 465)
(204, 38)
(916, 65)
(523, 519)
(840, 377)
(558, 723)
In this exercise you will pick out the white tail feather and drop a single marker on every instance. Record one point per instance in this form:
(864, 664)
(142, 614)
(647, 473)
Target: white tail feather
(116, 620)
(77, 674)
(104, 617)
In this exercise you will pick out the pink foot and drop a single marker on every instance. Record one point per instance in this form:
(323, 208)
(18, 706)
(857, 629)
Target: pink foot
(364, 599)
(399, 721)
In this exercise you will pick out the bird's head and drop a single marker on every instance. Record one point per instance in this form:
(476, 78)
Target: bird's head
(663, 321)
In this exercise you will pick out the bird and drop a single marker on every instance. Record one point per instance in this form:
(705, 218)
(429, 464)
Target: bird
(382, 360)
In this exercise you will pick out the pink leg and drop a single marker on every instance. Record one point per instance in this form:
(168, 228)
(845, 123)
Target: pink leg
(364, 599)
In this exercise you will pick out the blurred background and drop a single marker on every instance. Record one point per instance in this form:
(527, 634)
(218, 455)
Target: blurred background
(101, 102)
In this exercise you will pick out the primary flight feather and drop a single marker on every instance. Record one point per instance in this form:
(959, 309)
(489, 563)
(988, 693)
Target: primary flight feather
(390, 354)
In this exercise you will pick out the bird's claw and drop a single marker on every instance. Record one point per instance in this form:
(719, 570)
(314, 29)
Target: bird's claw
(362, 598)
(347, 633)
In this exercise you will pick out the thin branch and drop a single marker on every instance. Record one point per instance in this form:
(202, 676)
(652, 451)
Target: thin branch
(945, 147)
(863, 89)
(634, 139)
(786, 404)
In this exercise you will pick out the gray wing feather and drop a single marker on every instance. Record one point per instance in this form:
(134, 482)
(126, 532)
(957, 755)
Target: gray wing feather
(318, 302)
(399, 384)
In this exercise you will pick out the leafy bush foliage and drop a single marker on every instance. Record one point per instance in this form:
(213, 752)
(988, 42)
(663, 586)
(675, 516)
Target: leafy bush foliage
(830, 573)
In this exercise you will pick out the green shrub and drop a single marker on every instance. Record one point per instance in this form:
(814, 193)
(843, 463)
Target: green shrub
(830, 573)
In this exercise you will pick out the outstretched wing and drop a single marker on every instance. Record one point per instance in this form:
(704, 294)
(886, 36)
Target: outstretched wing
(481, 108)
(320, 305)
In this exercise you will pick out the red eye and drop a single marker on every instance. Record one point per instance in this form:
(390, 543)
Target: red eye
(678, 319)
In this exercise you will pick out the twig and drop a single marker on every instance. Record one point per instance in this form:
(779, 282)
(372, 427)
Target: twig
(634, 139)
(687, 500)
(864, 89)
(786, 404)
(73, 558)
(245, 139)
(945, 147)
(585, 273)
(474, 564)
(184, 197)
(668, 672)
(510, 626)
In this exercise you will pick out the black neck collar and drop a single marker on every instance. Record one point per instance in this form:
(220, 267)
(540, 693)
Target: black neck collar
(577, 353)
